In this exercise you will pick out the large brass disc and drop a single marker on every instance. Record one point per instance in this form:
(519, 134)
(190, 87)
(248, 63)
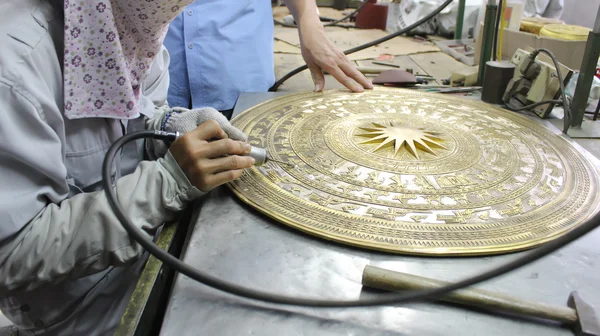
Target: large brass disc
(408, 172)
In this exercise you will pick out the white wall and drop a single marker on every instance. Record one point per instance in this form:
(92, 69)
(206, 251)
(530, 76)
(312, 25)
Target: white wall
(581, 12)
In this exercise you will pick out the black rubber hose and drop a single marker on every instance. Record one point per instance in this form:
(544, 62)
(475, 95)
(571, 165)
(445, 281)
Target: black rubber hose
(563, 91)
(295, 26)
(332, 22)
(383, 299)
(430, 16)
(566, 107)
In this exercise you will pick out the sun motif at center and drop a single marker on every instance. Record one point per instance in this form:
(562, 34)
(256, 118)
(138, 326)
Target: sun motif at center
(411, 139)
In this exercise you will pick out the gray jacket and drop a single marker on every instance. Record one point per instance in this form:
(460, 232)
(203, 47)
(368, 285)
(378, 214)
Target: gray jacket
(67, 267)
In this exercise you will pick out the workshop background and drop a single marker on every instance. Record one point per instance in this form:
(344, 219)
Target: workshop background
(426, 52)
(580, 12)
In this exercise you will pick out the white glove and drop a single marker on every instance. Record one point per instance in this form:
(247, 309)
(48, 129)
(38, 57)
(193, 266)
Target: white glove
(182, 120)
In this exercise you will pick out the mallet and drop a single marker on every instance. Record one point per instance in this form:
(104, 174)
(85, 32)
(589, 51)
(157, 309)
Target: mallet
(578, 315)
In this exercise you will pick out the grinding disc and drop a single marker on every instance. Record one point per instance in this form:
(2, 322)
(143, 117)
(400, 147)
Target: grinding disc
(416, 173)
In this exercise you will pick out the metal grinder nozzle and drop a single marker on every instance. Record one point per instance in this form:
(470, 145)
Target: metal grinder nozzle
(261, 157)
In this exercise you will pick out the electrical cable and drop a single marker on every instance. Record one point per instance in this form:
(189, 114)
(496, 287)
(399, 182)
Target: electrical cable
(327, 25)
(331, 22)
(369, 44)
(527, 107)
(385, 299)
(565, 102)
(496, 31)
(566, 107)
(326, 19)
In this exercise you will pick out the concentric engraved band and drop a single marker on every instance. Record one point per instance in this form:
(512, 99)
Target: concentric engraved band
(409, 172)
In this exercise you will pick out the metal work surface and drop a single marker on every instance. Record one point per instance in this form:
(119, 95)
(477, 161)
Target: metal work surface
(148, 301)
(403, 171)
(238, 244)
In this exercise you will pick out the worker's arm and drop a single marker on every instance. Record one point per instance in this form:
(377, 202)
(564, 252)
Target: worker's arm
(555, 9)
(155, 87)
(551, 9)
(59, 238)
(319, 53)
(47, 238)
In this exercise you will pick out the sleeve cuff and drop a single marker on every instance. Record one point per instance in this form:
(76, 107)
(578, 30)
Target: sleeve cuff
(187, 191)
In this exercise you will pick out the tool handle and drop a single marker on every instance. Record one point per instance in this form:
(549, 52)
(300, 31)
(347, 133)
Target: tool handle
(386, 64)
(371, 70)
(380, 278)
(259, 154)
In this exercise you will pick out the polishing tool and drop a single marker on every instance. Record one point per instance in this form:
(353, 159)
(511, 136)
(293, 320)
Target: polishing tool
(261, 157)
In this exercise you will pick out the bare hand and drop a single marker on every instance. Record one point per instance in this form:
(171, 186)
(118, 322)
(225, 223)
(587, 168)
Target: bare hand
(210, 164)
(321, 55)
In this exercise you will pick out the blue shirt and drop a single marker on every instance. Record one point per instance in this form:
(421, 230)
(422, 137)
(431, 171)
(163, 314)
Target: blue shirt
(219, 49)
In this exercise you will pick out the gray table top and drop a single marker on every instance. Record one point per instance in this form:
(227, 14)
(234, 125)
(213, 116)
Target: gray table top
(232, 241)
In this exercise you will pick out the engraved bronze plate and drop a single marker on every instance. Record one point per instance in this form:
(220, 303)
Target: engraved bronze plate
(408, 172)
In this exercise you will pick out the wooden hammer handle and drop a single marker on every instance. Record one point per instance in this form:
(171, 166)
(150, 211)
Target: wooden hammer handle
(396, 281)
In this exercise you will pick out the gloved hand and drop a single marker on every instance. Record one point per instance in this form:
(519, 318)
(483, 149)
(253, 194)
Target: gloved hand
(182, 120)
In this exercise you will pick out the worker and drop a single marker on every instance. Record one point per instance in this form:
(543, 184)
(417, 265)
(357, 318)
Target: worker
(68, 89)
(220, 49)
(551, 9)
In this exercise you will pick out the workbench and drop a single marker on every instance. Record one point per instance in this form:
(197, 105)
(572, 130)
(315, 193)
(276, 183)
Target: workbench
(232, 241)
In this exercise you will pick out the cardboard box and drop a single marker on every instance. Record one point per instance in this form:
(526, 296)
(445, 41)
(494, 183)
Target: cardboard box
(569, 53)
(478, 45)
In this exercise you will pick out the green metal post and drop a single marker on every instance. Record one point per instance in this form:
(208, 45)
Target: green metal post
(586, 75)
(488, 38)
(460, 18)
